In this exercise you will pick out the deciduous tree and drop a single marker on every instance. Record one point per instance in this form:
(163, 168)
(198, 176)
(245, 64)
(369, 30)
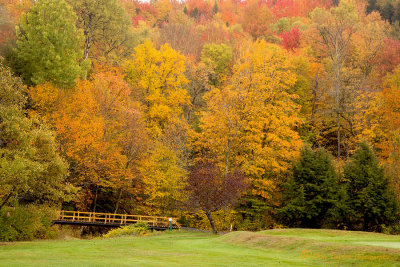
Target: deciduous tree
(49, 45)
(158, 82)
(93, 121)
(251, 122)
(31, 168)
(210, 190)
(107, 29)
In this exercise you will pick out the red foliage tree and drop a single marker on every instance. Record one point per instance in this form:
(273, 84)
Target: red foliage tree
(291, 38)
(389, 56)
(135, 20)
(210, 191)
(296, 8)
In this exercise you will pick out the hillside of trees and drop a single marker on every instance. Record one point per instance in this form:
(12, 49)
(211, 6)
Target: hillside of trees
(256, 114)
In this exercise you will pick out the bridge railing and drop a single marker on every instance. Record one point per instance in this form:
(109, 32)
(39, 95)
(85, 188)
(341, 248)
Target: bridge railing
(111, 218)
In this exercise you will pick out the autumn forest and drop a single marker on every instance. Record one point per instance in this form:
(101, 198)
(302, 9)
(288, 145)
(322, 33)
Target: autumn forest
(248, 115)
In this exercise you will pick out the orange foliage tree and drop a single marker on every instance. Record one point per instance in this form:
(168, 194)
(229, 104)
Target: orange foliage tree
(90, 121)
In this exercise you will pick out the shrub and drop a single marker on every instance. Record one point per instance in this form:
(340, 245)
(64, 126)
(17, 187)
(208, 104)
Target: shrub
(26, 223)
(138, 229)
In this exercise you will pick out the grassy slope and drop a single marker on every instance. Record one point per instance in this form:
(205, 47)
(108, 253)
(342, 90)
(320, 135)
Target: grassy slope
(294, 247)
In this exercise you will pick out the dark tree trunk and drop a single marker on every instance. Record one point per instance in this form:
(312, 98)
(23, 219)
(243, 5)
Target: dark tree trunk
(118, 200)
(5, 200)
(365, 224)
(208, 213)
(88, 37)
(95, 198)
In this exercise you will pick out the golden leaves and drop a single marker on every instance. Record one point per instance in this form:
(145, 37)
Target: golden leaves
(250, 123)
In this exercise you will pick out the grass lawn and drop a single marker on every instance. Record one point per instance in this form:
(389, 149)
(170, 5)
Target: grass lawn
(289, 247)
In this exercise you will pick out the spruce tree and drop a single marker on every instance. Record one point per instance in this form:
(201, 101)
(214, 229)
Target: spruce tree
(215, 8)
(371, 203)
(312, 193)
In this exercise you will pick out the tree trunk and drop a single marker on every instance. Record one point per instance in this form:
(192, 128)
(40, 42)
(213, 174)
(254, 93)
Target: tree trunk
(95, 198)
(88, 37)
(314, 101)
(338, 133)
(338, 79)
(365, 224)
(5, 200)
(118, 200)
(208, 213)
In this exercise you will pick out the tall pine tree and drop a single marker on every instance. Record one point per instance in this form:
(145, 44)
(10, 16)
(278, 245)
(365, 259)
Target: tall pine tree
(371, 203)
(312, 193)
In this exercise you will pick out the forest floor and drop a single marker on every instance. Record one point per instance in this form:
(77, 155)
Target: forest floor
(286, 247)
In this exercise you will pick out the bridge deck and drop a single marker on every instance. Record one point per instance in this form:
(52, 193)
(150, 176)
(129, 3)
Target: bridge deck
(112, 220)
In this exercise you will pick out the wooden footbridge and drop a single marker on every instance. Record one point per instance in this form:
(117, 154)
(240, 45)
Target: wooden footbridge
(113, 220)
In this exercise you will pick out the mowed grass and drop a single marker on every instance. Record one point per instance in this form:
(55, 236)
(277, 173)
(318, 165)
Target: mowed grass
(289, 247)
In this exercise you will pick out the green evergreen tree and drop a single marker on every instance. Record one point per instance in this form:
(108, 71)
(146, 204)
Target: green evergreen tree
(387, 11)
(372, 6)
(371, 203)
(195, 13)
(49, 45)
(215, 9)
(30, 167)
(312, 193)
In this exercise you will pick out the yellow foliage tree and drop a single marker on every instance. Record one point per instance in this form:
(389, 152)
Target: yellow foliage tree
(251, 122)
(157, 77)
(385, 130)
(158, 82)
(164, 179)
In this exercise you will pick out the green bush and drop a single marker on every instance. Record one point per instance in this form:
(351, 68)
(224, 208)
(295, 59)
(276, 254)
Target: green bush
(393, 229)
(138, 229)
(26, 223)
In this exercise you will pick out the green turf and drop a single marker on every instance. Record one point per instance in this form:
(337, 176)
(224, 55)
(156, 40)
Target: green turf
(292, 247)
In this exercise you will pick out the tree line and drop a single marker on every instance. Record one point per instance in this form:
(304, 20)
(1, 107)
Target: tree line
(252, 113)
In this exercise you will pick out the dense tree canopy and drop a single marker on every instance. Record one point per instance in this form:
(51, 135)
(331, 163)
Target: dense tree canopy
(141, 95)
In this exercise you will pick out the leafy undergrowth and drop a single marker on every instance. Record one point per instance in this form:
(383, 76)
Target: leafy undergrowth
(138, 229)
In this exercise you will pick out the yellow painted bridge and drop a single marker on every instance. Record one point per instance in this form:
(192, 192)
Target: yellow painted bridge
(113, 220)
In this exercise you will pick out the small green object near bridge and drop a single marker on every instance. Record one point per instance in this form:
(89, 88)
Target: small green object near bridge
(114, 220)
